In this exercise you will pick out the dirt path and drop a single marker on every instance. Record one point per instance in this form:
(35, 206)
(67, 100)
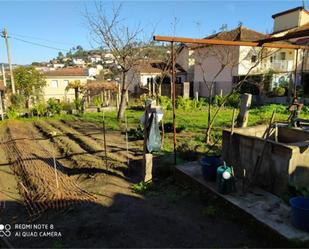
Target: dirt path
(166, 216)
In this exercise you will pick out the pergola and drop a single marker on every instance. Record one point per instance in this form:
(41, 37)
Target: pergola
(265, 43)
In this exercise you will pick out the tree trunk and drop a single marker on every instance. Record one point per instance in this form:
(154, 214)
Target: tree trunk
(208, 129)
(122, 106)
(208, 132)
(76, 99)
(123, 98)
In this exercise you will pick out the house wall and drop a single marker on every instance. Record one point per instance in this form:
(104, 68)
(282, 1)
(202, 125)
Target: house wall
(287, 21)
(290, 20)
(246, 55)
(208, 66)
(182, 58)
(185, 58)
(51, 91)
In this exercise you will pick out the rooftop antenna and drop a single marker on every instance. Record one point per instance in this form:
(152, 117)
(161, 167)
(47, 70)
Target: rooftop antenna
(303, 1)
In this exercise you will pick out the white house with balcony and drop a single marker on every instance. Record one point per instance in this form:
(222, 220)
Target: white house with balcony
(202, 65)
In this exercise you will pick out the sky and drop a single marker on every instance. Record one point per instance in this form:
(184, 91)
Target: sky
(62, 24)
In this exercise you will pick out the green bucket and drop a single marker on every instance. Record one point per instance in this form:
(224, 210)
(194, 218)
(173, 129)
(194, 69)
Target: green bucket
(225, 180)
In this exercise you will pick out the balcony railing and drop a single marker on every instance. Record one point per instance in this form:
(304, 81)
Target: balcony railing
(282, 65)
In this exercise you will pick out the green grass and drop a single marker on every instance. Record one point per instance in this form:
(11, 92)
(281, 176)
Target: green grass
(194, 121)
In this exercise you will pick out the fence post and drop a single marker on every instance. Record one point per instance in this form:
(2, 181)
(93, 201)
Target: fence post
(242, 119)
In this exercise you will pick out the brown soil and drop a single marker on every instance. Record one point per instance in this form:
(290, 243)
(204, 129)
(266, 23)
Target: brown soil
(104, 211)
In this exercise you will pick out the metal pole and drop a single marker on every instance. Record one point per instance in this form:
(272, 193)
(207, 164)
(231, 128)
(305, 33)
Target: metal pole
(104, 140)
(295, 73)
(127, 140)
(5, 34)
(3, 75)
(1, 106)
(174, 99)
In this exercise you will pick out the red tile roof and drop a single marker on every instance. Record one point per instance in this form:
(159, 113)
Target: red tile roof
(238, 34)
(2, 87)
(67, 72)
(147, 67)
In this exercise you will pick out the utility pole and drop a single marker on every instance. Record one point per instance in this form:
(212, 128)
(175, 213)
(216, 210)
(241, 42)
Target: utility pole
(3, 75)
(5, 35)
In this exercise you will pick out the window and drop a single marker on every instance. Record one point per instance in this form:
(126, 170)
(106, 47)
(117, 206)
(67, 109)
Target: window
(253, 58)
(65, 83)
(54, 83)
(282, 56)
(271, 59)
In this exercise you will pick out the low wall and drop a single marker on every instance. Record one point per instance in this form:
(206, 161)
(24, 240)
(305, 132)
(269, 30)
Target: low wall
(284, 162)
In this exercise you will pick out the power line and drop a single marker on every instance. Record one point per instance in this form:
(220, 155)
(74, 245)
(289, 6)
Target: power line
(39, 44)
(42, 39)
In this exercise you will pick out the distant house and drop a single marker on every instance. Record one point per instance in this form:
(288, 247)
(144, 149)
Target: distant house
(143, 75)
(58, 80)
(95, 58)
(58, 65)
(78, 62)
(146, 76)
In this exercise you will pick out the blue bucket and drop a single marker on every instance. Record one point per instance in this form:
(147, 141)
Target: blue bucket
(209, 167)
(300, 212)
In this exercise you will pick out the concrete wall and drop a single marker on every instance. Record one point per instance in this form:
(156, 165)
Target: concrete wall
(284, 162)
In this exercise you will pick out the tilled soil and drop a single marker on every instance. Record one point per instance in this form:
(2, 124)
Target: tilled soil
(106, 213)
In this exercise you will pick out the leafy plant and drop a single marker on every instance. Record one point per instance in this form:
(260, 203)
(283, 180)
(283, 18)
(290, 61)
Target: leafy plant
(279, 91)
(68, 107)
(54, 107)
(12, 112)
(217, 100)
(136, 134)
(78, 104)
(233, 100)
(39, 109)
(97, 101)
(166, 103)
(184, 104)
(17, 100)
(142, 187)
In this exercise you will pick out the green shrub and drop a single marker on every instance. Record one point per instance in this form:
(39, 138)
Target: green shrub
(217, 100)
(68, 107)
(12, 112)
(142, 187)
(166, 103)
(39, 109)
(183, 104)
(17, 101)
(279, 91)
(233, 100)
(136, 134)
(53, 106)
(97, 101)
(78, 104)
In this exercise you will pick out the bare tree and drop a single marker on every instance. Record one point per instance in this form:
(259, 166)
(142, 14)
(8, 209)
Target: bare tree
(125, 43)
(228, 59)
